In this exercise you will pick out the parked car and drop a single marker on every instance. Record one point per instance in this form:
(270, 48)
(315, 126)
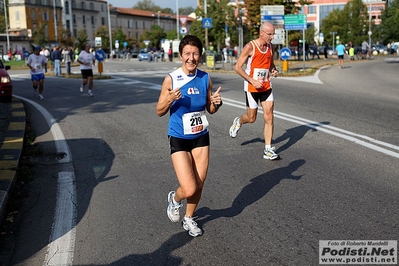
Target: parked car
(330, 50)
(379, 48)
(143, 55)
(134, 53)
(5, 83)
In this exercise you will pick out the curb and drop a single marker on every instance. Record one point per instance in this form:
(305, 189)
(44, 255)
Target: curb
(10, 153)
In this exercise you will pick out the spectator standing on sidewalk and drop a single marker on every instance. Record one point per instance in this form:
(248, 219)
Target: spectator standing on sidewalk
(341, 53)
(67, 60)
(170, 54)
(36, 62)
(315, 50)
(325, 45)
(56, 58)
(86, 60)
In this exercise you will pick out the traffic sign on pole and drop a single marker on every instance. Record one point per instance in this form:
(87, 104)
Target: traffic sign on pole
(295, 22)
(285, 53)
(207, 23)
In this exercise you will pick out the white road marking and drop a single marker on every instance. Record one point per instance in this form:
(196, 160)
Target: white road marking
(60, 250)
(359, 139)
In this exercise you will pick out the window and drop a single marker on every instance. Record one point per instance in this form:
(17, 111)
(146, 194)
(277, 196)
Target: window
(83, 5)
(17, 15)
(143, 24)
(93, 20)
(45, 18)
(91, 6)
(311, 10)
(137, 25)
(74, 18)
(83, 19)
(73, 4)
(33, 15)
(129, 24)
(68, 24)
(67, 7)
(102, 21)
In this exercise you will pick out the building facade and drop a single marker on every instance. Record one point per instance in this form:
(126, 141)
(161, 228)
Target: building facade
(59, 16)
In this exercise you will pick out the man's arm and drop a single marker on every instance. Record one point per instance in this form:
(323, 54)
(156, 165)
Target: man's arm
(242, 59)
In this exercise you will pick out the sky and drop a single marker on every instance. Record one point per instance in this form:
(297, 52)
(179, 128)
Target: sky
(162, 3)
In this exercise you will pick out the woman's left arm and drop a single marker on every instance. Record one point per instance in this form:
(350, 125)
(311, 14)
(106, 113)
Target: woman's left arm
(214, 101)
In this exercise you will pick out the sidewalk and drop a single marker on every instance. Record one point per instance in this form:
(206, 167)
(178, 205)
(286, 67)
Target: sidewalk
(295, 67)
(12, 131)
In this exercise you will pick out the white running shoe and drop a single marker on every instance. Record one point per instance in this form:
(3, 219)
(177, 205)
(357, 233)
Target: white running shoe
(234, 128)
(173, 210)
(90, 93)
(81, 88)
(269, 154)
(191, 226)
(41, 97)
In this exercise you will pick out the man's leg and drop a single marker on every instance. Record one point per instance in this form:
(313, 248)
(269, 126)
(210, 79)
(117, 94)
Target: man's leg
(268, 116)
(41, 86)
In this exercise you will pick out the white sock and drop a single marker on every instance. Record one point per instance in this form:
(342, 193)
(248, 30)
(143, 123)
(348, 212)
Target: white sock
(174, 202)
(268, 147)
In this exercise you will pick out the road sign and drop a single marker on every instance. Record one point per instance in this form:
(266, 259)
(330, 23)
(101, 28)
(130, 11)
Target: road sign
(97, 42)
(100, 55)
(207, 23)
(285, 53)
(183, 20)
(275, 15)
(279, 35)
(295, 22)
(183, 30)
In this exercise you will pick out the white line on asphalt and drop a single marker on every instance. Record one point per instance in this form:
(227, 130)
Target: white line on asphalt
(368, 142)
(60, 249)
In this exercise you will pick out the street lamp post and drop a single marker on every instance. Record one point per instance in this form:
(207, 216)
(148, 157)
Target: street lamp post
(206, 29)
(109, 31)
(55, 22)
(8, 37)
(159, 24)
(370, 28)
(177, 19)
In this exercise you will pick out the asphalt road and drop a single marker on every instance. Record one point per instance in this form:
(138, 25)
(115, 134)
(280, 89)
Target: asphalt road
(100, 187)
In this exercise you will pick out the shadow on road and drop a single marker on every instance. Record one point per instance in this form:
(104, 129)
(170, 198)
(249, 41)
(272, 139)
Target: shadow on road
(252, 192)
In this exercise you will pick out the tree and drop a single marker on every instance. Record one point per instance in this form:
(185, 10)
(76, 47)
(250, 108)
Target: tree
(351, 24)
(39, 36)
(119, 36)
(2, 16)
(103, 32)
(185, 11)
(222, 18)
(66, 38)
(390, 20)
(81, 39)
(154, 35)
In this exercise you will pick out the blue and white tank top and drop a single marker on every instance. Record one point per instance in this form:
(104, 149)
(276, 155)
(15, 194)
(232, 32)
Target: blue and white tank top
(187, 115)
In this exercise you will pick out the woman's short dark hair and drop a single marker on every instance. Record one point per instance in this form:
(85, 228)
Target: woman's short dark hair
(190, 40)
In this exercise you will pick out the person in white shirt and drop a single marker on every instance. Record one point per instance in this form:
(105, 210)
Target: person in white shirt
(36, 62)
(66, 57)
(86, 59)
